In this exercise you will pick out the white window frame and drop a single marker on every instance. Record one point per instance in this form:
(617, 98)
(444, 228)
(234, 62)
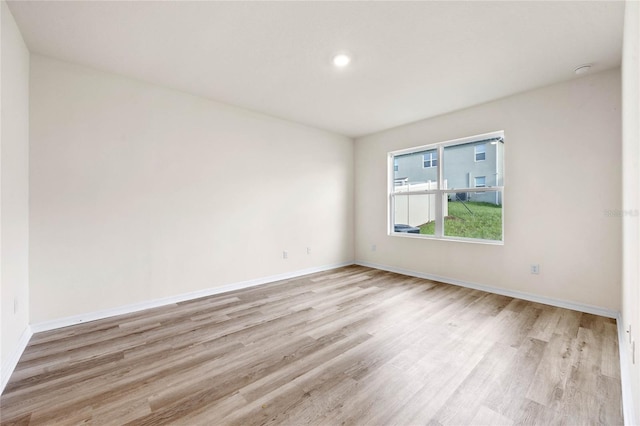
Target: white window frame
(441, 191)
(431, 160)
(475, 152)
(484, 182)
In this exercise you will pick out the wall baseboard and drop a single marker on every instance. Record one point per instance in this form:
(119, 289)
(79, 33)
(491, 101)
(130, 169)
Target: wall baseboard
(595, 310)
(625, 375)
(12, 361)
(155, 303)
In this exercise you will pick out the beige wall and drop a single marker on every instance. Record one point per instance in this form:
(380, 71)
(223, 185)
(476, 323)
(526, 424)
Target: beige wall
(140, 192)
(631, 197)
(562, 171)
(14, 203)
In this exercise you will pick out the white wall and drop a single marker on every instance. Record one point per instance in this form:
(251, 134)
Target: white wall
(631, 195)
(14, 203)
(140, 192)
(562, 171)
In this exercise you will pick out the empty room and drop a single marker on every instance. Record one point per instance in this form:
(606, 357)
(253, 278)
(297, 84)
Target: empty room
(320, 213)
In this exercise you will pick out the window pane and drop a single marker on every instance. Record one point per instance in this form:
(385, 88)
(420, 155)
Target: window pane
(460, 169)
(415, 214)
(412, 174)
(469, 194)
(429, 159)
(474, 215)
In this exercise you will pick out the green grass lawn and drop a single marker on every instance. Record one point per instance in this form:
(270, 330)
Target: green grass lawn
(484, 221)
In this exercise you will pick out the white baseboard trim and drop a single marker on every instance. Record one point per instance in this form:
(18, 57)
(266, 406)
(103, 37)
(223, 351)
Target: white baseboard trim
(93, 316)
(12, 361)
(595, 310)
(625, 375)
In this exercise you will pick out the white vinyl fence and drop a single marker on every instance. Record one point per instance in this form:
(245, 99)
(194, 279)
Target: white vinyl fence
(417, 209)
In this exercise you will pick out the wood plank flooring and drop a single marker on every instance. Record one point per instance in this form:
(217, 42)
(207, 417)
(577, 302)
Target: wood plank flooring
(351, 346)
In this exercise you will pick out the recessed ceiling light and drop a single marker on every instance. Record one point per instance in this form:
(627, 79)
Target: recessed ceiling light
(341, 60)
(582, 69)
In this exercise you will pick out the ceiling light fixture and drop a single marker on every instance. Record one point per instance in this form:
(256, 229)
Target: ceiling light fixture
(341, 60)
(582, 69)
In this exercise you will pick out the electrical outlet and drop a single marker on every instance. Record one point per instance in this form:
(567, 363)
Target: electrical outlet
(535, 269)
(373, 247)
(285, 254)
(308, 250)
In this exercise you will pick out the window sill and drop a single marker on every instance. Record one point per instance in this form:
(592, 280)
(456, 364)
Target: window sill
(450, 239)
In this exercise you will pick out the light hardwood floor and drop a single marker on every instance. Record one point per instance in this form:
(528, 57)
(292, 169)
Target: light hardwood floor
(349, 346)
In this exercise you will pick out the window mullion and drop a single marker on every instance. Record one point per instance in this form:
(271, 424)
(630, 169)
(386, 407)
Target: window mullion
(439, 228)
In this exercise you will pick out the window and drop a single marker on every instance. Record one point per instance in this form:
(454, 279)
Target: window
(395, 165)
(457, 194)
(430, 159)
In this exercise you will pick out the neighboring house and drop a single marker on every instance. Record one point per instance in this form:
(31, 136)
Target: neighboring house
(476, 164)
